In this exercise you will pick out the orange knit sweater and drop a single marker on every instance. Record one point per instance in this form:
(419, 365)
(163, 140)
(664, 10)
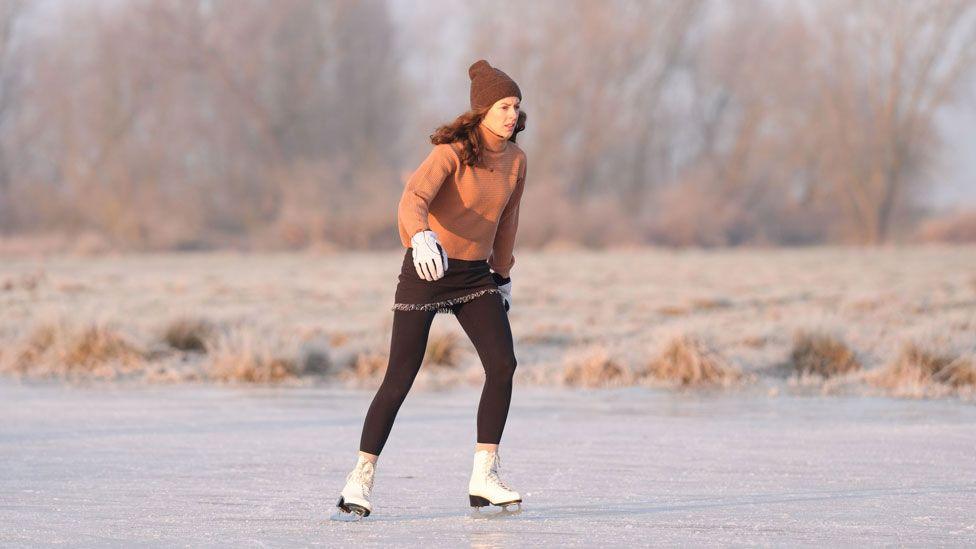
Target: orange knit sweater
(474, 210)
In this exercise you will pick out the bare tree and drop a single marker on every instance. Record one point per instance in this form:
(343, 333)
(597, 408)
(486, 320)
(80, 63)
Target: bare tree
(885, 71)
(11, 11)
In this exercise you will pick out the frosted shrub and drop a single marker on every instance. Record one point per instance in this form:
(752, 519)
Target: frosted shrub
(687, 361)
(822, 354)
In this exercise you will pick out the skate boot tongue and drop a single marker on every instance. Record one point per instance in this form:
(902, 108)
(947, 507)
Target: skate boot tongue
(494, 464)
(363, 474)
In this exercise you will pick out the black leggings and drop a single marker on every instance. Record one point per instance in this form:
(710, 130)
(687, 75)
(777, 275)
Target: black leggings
(485, 321)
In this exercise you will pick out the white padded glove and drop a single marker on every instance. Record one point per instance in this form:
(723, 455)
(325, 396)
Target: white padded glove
(505, 285)
(429, 257)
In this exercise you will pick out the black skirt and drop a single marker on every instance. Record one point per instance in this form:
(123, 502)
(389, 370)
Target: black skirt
(464, 280)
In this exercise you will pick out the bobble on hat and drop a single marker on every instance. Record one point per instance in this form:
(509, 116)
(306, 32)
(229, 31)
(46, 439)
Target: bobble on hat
(489, 84)
(479, 66)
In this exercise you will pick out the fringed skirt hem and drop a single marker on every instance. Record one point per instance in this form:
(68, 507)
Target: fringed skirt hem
(446, 306)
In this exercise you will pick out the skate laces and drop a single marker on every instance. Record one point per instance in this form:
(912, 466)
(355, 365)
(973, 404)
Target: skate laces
(494, 465)
(363, 474)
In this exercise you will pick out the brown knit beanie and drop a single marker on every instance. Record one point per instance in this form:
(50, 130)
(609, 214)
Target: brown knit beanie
(489, 84)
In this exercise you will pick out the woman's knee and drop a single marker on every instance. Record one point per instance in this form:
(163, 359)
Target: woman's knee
(393, 390)
(503, 367)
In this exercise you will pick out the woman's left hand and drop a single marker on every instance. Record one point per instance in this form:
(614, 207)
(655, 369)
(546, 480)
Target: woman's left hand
(505, 285)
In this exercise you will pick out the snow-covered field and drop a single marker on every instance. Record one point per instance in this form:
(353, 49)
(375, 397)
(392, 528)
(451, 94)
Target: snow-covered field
(569, 306)
(203, 465)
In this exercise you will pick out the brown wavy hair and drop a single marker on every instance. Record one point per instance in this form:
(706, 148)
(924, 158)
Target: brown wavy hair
(464, 130)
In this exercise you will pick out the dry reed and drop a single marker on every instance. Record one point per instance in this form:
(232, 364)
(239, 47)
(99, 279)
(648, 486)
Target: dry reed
(63, 350)
(688, 361)
(821, 354)
(594, 368)
(921, 371)
(236, 356)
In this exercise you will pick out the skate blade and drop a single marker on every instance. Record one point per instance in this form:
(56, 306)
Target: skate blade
(349, 512)
(505, 509)
(496, 513)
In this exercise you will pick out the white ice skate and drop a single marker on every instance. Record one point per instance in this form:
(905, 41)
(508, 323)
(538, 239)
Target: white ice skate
(485, 488)
(354, 498)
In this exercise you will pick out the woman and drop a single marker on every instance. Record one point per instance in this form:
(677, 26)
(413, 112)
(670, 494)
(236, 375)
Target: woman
(457, 217)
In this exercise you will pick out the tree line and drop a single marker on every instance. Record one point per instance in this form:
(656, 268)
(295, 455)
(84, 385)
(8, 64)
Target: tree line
(180, 124)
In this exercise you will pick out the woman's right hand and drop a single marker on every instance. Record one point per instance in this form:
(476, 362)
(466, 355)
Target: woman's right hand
(429, 257)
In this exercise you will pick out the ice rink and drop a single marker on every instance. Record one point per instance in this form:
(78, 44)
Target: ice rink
(205, 465)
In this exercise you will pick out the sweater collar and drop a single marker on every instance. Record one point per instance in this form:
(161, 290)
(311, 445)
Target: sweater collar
(493, 142)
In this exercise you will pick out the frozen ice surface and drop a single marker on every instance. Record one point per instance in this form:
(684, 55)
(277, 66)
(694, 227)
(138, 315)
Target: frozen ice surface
(203, 465)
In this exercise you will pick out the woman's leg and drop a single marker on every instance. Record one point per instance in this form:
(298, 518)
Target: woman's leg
(407, 346)
(485, 321)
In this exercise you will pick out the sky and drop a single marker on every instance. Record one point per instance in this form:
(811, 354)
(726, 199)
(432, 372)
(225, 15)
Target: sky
(959, 169)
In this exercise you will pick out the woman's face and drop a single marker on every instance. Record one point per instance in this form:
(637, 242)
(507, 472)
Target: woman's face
(501, 117)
